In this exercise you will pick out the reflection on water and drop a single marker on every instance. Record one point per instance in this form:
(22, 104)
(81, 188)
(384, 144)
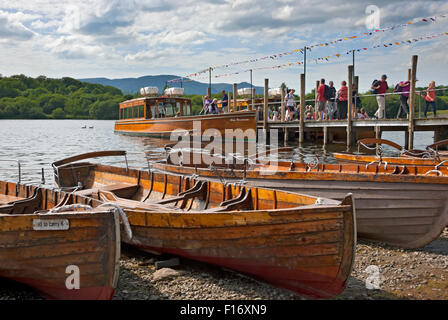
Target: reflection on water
(38, 143)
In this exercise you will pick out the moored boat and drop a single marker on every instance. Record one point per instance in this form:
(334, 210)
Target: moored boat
(405, 206)
(58, 244)
(297, 242)
(164, 116)
(429, 157)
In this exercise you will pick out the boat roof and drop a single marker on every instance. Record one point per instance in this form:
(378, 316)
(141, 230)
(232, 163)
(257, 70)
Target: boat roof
(156, 98)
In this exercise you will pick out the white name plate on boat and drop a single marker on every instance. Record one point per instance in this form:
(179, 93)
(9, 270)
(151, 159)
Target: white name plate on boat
(55, 224)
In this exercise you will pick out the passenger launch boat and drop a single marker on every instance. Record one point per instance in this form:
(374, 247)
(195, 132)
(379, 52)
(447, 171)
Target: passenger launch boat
(161, 116)
(57, 243)
(429, 157)
(297, 242)
(405, 206)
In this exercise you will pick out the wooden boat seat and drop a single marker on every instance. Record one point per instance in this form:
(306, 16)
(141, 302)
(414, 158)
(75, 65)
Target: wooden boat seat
(122, 190)
(242, 202)
(23, 206)
(108, 196)
(5, 199)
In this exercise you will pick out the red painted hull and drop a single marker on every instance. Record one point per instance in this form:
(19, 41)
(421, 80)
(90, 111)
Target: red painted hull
(302, 282)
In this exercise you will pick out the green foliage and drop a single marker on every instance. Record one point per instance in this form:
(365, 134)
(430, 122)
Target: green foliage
(22, 97)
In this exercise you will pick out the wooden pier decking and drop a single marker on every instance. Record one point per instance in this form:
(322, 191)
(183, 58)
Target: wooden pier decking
(359, 128)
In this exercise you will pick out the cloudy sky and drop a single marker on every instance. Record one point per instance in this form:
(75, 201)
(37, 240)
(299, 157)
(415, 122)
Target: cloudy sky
(131, 38)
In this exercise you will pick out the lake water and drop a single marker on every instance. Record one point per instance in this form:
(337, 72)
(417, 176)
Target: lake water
(38, 143)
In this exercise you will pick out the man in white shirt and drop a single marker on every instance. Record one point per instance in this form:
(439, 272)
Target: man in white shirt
(290, 104)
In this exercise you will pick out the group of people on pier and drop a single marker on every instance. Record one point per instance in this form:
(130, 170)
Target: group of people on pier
(332, 103)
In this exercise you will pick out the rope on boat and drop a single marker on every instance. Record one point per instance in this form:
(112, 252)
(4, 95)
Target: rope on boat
(441, 164)
(312, 164)
(379, 151)
(213, 169)
(71, 207)
(380, 162)
(124, 218)
(439, 173)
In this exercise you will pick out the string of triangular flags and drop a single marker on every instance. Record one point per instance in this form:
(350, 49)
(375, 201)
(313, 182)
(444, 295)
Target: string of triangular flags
(323, 44)
(321, 59)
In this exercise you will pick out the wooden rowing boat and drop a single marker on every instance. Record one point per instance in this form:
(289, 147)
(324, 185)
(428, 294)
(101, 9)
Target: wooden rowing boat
(297, 242)
(161, 116)
(405, 206)
(48, 239)
(429, 157)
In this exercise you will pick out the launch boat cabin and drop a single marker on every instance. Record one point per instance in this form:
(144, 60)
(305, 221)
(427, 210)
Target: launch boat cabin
(161, 115)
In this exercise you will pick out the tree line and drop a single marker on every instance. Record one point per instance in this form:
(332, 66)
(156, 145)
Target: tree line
(23, 97)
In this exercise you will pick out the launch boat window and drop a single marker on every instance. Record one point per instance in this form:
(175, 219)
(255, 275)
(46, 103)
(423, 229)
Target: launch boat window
(187, 109)
(162, 111)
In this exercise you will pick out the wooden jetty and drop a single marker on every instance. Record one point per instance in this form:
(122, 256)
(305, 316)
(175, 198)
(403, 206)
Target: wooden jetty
(352, 129)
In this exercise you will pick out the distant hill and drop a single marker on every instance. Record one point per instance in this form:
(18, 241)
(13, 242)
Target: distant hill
(132, 85)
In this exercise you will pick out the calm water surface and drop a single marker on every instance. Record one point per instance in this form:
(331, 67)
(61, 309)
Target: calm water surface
(38, 143)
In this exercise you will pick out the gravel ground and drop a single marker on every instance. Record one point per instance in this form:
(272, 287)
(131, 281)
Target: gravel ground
(403, 274)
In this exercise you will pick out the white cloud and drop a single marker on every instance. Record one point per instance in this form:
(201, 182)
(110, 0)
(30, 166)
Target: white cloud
(11, 27)
(119, 38)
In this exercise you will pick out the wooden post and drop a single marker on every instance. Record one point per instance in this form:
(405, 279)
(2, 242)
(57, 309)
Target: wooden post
(350, 106)
(266, 102)
(235, 96)
(412, 101)
(302, 109)
(409, 74)
(282, 106)
(209, 92)
(377, 132)
(315, 98)
(355, 85)
(253, 100)
(325, 129)
(229, 97)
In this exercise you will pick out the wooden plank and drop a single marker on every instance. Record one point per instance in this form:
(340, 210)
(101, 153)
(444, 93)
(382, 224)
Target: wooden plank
(412, 101)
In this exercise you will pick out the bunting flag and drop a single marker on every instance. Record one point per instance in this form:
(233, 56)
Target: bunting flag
(324, 44)
(321, 59)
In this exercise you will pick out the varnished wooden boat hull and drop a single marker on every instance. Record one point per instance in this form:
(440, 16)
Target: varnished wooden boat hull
(164, 127)
(366, 159)
(39, 258)
(407, 211)
(299, 251)
(307, 248)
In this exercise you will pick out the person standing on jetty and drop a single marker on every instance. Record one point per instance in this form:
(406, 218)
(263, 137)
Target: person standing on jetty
(404, 87)
(380, 88)
(290, 104)
(321, 100)
(224, 101)
(206, 106)
(431, 98)
(342, 101)
(331, 105)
